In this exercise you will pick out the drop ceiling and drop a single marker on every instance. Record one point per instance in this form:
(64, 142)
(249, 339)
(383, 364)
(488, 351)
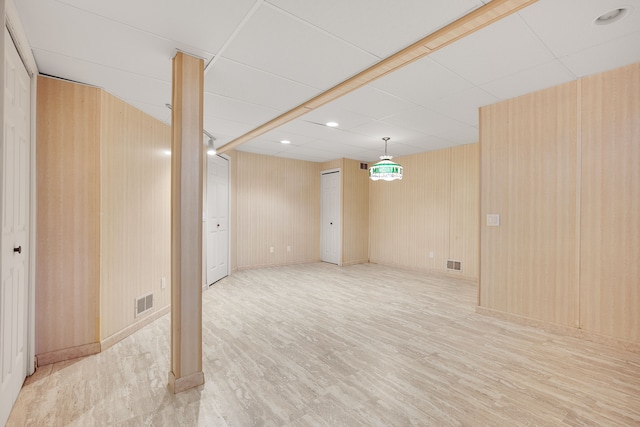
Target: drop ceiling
(264, 58)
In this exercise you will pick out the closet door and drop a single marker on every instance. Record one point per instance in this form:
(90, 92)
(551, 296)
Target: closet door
(217, 218)
(330, 217)
(14, 236)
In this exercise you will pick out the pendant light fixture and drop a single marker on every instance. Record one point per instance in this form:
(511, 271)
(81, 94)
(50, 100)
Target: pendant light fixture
(385, 169)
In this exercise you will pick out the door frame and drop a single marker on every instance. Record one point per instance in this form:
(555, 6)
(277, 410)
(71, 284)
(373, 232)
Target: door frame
(14, 26)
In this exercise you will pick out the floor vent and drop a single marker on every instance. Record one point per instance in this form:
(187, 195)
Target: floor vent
(454, 265)
(144, 304)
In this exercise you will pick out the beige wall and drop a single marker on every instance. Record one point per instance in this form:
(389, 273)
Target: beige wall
(277, 205)
(560, 166)
(68, 214)
(528, 152)
(355, 213)
(433, 209)
(103, 188)
(233, 209)
(610, 208)
(136, 206)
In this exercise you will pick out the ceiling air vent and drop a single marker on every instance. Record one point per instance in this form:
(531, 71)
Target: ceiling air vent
(364, 166)
(454, 265)
(144, 304)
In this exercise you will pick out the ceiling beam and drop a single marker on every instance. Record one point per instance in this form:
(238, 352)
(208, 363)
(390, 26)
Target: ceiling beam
(468, 24)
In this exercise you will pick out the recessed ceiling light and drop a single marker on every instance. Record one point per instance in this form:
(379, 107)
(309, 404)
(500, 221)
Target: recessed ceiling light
(285, 141)
(611, 16)
(332, 124)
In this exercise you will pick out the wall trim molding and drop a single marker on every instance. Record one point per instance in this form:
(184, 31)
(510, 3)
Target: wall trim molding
(129, 330)
(561, 330)
(67, 354)
(282, 264)
(430, 271)
(363, 261)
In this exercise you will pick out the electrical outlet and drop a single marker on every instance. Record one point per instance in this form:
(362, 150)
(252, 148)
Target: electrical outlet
(431, 254)
(288, 248)
(271, 250)
(163, 282)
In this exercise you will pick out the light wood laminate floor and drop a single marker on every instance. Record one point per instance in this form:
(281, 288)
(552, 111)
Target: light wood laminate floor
(320, 345)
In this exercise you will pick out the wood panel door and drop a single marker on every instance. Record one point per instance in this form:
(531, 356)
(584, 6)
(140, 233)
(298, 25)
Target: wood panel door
(331, 217)
(217, 218)
(14, 236)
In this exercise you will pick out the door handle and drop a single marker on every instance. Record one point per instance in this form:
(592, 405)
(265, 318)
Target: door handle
(18, 249)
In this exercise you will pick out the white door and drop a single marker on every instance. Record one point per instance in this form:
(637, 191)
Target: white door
(330, 217)
(14, 237)
(217, 218)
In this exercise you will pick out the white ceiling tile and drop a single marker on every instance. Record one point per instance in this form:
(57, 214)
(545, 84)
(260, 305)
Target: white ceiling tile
(232, 79)
(422, 81)
(460, 135)
(96, 39)
(318, 132)
(530, 80)
(329, 113)
(501, 49)
(217, 106)
(373, 103)
(193, 23)
(338, 148)
(567, 26)
(276, 54)
(283, 45)
(218, 127)
(379, 26)
(285, 133)
(259, 146)
(430, 143)
(424, 120)
(463, 106)
(308, 154)
(377, 130)
(606, 56)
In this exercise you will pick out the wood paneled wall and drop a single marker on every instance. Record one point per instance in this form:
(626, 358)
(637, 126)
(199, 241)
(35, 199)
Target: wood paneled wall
(610, 221)
(561, 168)
(103, 207)
(136, 209)
(529, 166)
(233, 209)
(464, 231)
(278, 205)
(68, 215)
(355, 213)
(413, 218)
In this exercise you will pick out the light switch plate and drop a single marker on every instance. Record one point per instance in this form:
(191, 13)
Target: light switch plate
(493, 220)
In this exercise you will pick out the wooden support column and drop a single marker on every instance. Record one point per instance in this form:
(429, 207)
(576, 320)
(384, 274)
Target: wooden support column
(186, 223)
